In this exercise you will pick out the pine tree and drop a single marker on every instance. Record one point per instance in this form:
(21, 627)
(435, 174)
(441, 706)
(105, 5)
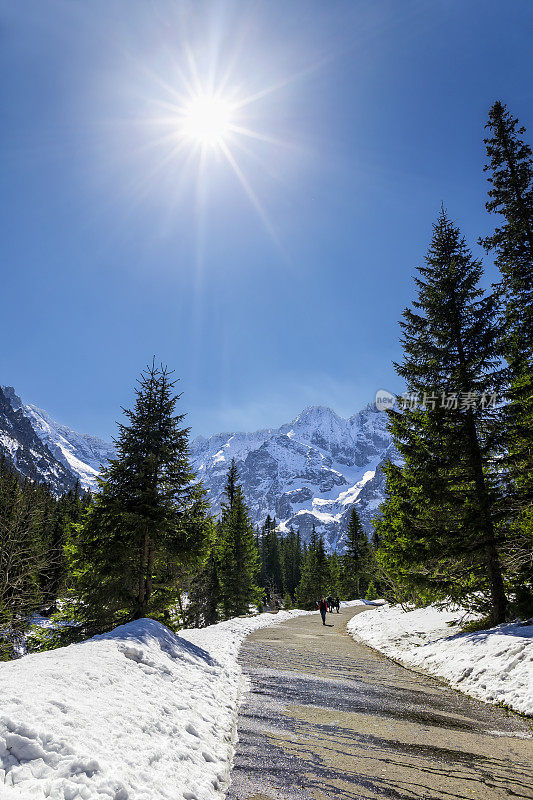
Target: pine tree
(410, 557)
(291, 558)
(316, 577)
(204, 588)
(60, 516)
(148, 520)
(511, 196)
(237, 556)
(335, 572)
(510, 167)
(356, 560)
(271, 570)
(22, 557)
(449, 486)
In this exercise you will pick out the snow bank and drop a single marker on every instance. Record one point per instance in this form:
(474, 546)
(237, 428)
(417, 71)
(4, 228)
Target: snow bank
(355, 603)
(136, 714)
(494, 665)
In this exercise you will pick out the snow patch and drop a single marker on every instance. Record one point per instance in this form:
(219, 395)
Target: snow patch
(136, 714)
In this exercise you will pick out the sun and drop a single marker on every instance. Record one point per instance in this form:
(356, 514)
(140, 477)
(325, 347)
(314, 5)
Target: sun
(207, 120)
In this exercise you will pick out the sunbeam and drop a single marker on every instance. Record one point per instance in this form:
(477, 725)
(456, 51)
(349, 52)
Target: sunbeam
(202, 112)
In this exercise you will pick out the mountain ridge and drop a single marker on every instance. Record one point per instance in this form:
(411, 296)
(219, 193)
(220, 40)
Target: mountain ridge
(309, 471)
(23, 450)
(306, 472)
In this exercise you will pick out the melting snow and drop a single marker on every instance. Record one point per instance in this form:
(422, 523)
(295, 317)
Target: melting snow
(136, 714)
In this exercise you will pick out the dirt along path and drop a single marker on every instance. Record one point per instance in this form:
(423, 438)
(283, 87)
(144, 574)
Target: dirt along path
(329, 718)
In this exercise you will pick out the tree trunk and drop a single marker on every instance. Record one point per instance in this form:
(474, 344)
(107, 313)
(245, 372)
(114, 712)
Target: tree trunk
(149, 568)
(497, 591)
(498, 598)
(141, 580)
(182, 613)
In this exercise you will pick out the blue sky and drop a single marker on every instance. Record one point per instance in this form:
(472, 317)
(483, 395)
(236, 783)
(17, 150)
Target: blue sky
(264, 297)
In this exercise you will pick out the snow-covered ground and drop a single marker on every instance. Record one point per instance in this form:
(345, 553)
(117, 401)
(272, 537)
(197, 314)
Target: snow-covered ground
(136, 714)
(494, 665)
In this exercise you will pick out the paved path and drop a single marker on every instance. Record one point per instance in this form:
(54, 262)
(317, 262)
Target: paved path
(330, 719)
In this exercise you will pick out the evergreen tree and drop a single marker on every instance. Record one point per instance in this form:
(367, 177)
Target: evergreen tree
(449, 486)
(271, 570)
(148, 520)
(336, 577)
(409, 552)
(510, 167)
(22, 557)
(237, 556)
(60, 517)
(204, 588)
(259, 541)
(356, 560)
(291, 558)
(316, 577)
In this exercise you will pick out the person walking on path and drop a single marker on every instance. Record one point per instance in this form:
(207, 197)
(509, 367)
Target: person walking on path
(323, 607)
(330, 603)
(337, 604)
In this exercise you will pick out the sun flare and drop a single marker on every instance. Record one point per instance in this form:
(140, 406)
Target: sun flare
(207, 120)
(204, 118)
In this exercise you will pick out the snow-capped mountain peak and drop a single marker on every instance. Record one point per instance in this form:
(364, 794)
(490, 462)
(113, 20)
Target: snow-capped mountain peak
(82, 453)
(307, 472)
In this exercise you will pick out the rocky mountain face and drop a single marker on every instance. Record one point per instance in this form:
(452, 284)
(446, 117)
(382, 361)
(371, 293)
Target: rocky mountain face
(23, 449)
(309, 471)
(80, 453)
(55, 449)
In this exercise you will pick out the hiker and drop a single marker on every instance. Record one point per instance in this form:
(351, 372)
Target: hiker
(330, 603)
(337, 604)
(323, 607)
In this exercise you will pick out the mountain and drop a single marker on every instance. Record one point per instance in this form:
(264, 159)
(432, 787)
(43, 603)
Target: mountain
(23, 449)
(74, 455)
(309, 471)
(80, 453)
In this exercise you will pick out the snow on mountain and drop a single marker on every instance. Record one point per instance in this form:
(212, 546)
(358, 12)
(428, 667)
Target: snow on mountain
(80, 453)
(83, 454)
(309, 471)
(23, 450)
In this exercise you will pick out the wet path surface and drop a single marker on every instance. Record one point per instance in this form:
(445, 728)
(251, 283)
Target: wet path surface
(330, 719)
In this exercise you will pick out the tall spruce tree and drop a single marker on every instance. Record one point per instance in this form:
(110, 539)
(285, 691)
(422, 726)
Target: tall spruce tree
(60, 517)
(291, 558)
(203, 590)
(237, 555)
(147, 522)
(356, 560)
(510, 168)
(271, 569)
(316, 576)
(22, 557)
(335, 569)
(446, 494)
